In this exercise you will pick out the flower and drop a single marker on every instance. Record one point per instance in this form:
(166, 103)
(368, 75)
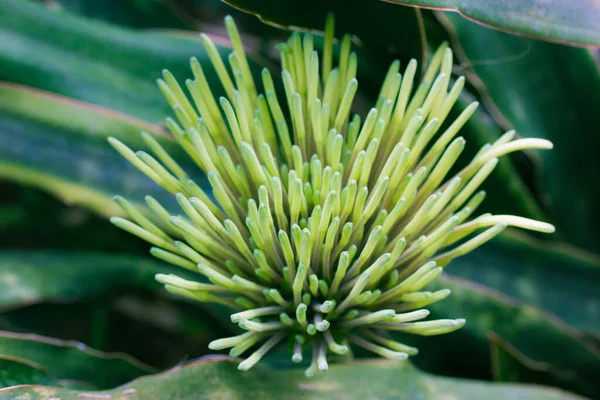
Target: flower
(324, 229)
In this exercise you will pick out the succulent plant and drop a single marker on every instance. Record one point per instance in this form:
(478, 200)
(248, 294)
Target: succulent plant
(323, 228)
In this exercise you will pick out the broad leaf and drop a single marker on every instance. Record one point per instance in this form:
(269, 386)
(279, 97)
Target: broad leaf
(16, 371)
(217, 377)
(113, 297)
(72, 360)
(92, 61)
(134, 323)
(133, 13)
(551, 276)
(549, 91)
(572, 22)
(42, 276)
(510, 365)
(65, 277)
(30, 217)
(379, 26)
(530, 331)
(194, 15)
(59, 145)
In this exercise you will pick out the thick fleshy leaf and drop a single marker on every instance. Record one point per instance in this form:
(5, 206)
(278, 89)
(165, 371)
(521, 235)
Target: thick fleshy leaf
(40, 276)
(379, 26)
(67, 360)
(31, 218)
(93, 61)
(112, 297)
(551, 276)
(572, 22)
(539, 336)
(101, 290)
(194, 15)
(133, 13)
(134, 323)
(549, 91)
(510, 365)
(59, 145)
(218, 377)
(15, 371)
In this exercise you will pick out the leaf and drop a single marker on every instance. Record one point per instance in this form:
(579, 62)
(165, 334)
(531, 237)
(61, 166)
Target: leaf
(218, 377)
(95, 62)
(135, 323)
(40, 276)
(15, 371)
(32, 218)
(377, 25)
(133, 13)
(59, 145)
(510, 365)
(539, 336)
(118, 284)
(549, 91)
(551, 276)
(575, 23)
(164, 14)
(68, 286)
(72, 360)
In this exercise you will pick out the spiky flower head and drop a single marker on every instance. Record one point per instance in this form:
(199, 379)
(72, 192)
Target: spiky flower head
(324, 228)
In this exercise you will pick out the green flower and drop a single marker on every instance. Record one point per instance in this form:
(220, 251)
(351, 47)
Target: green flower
(325, 228)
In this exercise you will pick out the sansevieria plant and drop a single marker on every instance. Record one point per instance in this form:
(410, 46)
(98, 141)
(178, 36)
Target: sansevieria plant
(323, 227)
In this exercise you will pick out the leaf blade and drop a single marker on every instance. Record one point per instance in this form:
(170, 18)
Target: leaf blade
(573, 23)
(59, 145)
(369, 379)
(52, 276)
(551, 276)
(72, 360)
(531, 331)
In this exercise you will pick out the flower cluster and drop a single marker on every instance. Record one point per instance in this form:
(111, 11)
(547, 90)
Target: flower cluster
(323, 228)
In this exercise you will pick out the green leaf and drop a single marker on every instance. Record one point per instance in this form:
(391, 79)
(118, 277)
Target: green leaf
(93, 61)
(15, 371)
(32, 217)
(34, 277)
(133, 13)
(68, 360)
(551, 276)
(67, 286)
(510, 365)
(217, 377)
(40, 276)
(571, 22)
(379, 26)
(549, 91)
(59, 145)
(134, 323)
(539, 336)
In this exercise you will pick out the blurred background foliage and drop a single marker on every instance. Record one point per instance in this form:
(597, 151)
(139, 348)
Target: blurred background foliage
(73, 72)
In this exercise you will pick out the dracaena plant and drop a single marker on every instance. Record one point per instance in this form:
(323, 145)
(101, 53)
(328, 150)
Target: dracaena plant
(324, 227)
